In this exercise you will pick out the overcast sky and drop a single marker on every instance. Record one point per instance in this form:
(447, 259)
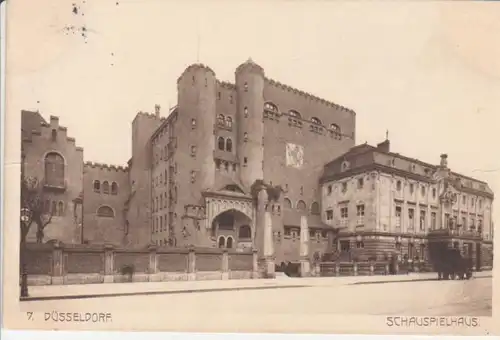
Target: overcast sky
(428, 72)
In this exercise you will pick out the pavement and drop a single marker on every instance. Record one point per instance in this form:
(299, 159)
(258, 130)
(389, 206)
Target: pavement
(108, 290)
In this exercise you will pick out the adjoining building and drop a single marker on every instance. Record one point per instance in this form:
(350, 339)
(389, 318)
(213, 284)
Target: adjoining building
(190, 178)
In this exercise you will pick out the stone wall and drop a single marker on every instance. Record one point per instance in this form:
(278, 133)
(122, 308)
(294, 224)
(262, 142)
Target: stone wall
(56, 263)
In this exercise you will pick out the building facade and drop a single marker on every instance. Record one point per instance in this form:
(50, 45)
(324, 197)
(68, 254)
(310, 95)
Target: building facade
(190, 178)
(384, 203)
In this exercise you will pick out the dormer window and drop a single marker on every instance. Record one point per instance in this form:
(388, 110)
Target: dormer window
(270, 107)
(345, 166)
(294, 113)
(316, 121)
(246, 87)
(245, 112)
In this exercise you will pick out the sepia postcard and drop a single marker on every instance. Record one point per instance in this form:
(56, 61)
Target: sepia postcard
(251, 166)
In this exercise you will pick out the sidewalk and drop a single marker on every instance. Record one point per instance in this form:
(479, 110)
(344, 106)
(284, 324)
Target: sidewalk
(179, 287)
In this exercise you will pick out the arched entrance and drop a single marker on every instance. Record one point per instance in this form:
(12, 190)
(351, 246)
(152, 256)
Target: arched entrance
(232, 229)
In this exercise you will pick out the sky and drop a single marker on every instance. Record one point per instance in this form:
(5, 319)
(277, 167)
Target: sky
(427, 72)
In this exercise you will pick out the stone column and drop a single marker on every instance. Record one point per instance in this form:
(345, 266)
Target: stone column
(305, 269)
(153, 274)
(109, 262)
(191, 265)
(268, 246)
(255, 264)
(57, 264)
(225, 265)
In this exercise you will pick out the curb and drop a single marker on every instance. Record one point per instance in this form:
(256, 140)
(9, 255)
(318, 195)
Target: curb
(412, 280)
(206, 290)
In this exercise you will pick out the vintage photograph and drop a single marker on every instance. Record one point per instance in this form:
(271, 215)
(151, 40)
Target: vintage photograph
(220, 162)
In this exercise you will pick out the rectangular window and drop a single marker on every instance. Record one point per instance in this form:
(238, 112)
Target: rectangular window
(360, 214)
(411, 219)
(422, 219)
(344, 216)
(360, 183)
(433, 220)
(329, 215)
(398, 217)
(447, 221)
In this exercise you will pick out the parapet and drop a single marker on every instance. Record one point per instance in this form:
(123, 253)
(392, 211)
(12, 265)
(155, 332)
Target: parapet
(102, 166)
(196, 67)
(309, 96)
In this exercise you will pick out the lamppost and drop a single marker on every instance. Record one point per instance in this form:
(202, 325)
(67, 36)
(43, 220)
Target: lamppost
(24, 275)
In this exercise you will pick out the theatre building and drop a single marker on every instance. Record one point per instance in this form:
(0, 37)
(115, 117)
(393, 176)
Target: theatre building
(384, 203)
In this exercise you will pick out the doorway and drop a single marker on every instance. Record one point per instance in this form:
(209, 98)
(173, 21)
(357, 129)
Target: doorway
(478, 257)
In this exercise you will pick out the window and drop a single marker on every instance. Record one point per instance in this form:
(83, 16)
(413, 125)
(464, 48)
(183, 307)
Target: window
(161, 223)
(316, 121)
(245, 137)
(345, 166)
(329, 190)
(301, 205)
(229, 145)
(344, 215)
(193, 176)
(360, 183)
(105, 211)
(218, 95)
(229, 242)
(246, 87)
(221, 143)
(53, 208)
(464, 222)
(244, 232)
(54, 135)
(245, 161)
(231, 98)
(287, 232)
(433, 192)
(234, 166)
(245, 112)
(329, 215)
(222, 242)
(344, 187)
(193, 123)
(398, 217)
(412, 188)
(60, 208)
(161, 202)
(302, 190)
(464, 199)
(114, 188)
(105, 187)
(270, 107)
(221, 120)
(422, 219)
(294, 113)
(97, 186)
(480, 203)
(315, 208)
(335, 128)
(193, 150)
(411, 220)
(422, 189)
(229, 122)
(360, 244)
(54, 169)
(433, 220)
(288, 203)
(398, 185)
(360, 214)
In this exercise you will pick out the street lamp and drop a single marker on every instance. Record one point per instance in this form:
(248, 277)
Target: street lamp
(25, 213)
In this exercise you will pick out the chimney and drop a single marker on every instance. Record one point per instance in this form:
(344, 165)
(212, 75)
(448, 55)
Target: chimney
(385, 146)
(157, 110)
(444, 160)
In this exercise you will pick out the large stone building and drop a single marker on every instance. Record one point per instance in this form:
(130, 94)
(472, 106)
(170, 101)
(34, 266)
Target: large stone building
(190, 178)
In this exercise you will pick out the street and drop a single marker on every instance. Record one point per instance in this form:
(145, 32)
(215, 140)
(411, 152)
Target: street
(314, 295)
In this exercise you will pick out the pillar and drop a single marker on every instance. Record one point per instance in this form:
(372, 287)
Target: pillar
(109, 262)
(268, 246)
(255, 264)
(305, 269)
(57, 264)
(225, 265)
(191, 265)
(153, 268)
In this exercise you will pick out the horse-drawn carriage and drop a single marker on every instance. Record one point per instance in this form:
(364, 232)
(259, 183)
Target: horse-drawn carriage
(452, 265)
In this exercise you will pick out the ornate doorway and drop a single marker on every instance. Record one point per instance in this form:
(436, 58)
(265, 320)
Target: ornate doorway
(232, 229)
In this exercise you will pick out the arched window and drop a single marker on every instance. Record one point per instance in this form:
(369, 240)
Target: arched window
(54, 208)
(229, 122)
(301, 205)
(335, 128)
(287, 203)
(54, 169)
(398, 185)
(105, 211)
(222, 242)
(317, 121)
(294, 113)
(229, 145)
(221, 143)
(221, 120)
(315, 208)
(105, 187)
(245, 112)
(60, 208)
(97, 186)
(245, 232)
(229, 242)
(270, 107)
(114, 188)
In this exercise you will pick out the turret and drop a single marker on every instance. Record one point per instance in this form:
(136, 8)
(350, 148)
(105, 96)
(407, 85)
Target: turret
(250, 105)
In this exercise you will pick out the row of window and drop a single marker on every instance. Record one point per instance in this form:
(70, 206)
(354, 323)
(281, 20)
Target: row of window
(105, 187)
(301, 206)
(344, 215)
(161, 202)
(56, 208)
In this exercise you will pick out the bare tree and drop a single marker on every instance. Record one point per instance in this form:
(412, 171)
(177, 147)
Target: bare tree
(33, 199)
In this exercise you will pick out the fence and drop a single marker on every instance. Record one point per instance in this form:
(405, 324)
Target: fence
(55, 264)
